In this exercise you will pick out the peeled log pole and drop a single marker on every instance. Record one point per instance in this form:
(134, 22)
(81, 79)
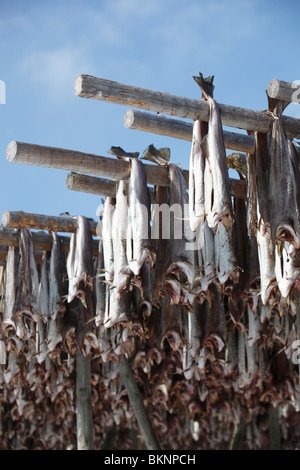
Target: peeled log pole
(287, 91)
(179, 129)
(87, 86)
(90, 184)
(84, 413)
(137, 405)
(62, 159)
(41, 240)
(19, 219)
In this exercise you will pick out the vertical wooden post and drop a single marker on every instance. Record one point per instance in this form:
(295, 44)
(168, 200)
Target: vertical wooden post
(274, 430)
(84, 414)
(238, 434)
(138, 405)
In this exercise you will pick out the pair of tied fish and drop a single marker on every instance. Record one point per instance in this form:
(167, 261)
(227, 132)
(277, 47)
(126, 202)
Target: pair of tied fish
(126, 238)
(210, 206)
(278, 204)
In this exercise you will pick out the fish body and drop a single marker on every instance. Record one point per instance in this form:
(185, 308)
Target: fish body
(220, 205)
(99, 286)
(28, 280)
(10, 291)
(196, 176)
(107, 237)
(208, 255)
(56, 278)
(122, 271)
(180, 259)
(43, 293)
(80, 261)
(225, 259)
(287, 268)
(282, 184)
(139, 247)
(266, 258)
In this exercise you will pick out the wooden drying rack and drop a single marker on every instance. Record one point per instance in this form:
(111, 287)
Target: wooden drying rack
(100, 175)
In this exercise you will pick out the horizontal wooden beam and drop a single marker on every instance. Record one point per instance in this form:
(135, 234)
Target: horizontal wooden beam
(281, 90)
(19, 219)
(87, 86)
(38, 255)
(90, 184)
(180, 129)
(63, 159)
(51, 157)
(41, 240)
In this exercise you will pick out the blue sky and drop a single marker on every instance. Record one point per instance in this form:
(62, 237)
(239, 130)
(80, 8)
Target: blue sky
(155, 44)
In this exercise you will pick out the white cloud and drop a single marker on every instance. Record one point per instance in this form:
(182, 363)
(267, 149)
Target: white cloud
(55, 69)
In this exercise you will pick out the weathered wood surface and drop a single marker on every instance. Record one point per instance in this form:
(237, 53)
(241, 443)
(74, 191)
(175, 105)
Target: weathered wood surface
(90, 184)
(20, 219)
(41, 240)
(137, 404)
(62, 159)
(51, 157)
(281, 90)
(87, 86)
(180, 129)
(84, 411)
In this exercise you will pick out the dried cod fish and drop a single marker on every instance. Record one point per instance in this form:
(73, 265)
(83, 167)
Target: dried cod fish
(266, 259)
(28, 280)
(282, 183)
(179, 258)
(196, 176)
(10, 291)
(219, 204)
(43, 293)
(80, 261)
(57, 281)
(139, 246)
(122, 271)
(287, 268)
(107, 237)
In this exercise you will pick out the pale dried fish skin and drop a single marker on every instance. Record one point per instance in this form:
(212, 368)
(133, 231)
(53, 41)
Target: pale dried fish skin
(139, 246)
(10, 291)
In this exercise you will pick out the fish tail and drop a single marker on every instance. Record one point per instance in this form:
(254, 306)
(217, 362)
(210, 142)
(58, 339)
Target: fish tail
(206, 85)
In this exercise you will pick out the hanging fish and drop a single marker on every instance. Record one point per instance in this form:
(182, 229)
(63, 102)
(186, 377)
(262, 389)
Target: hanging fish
(196, 176)
(139, 248)
(179, 257)
(287, 268)
(282, 183)
(80, 261)
(10, 291)
(43, 293)
(122, 271)
(107, 237)
(100, 287)
(57, 278)
(28, 280)
(219, 204)
(266, 259)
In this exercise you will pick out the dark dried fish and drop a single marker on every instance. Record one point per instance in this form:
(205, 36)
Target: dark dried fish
(180, 257)
(57, 278)
(282, 183)
(28, 281)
